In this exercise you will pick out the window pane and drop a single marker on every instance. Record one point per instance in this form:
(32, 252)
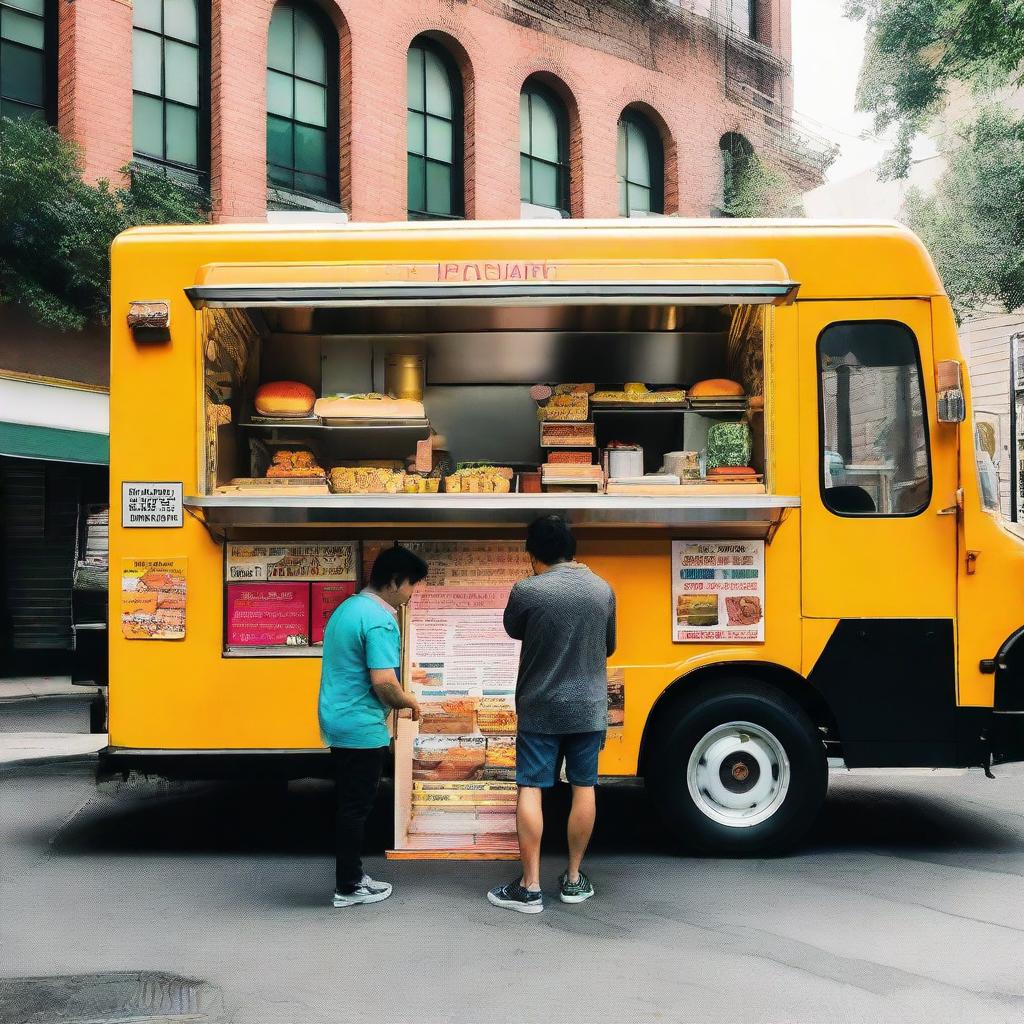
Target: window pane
(310, 52)
(524, 123)
(313, 184)
(525, 189)
(439, 188)
(415, 176)
(148, 126)
(145, 13)
(280, 176)
(279, 93)
(545, 184)
(146, 62)
(639, 157)
(623, 198)
(20, 28)
(416, 142)
(414, 78)
(545, 129)
(32, 6)
(21, 74)
(181, 73)
(875, 457)
(639, 198)
(310, 149)
(310, 103)
(182, 134)
(181, 20)
(439, 140)
(279, 142)
(439, 89)
(279, 41)
(11, 109)
(620, 151)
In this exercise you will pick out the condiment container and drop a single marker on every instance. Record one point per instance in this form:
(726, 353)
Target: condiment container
(403, 376)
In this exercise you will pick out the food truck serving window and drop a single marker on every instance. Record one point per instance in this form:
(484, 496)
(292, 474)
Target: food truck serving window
(874, 439)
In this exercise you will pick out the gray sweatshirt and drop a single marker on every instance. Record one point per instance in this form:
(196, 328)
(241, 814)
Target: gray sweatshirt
(565, 618)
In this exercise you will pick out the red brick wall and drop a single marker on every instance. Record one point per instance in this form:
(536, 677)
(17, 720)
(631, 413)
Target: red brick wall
(669, 64)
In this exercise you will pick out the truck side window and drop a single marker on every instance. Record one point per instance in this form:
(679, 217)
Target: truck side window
(874, 437)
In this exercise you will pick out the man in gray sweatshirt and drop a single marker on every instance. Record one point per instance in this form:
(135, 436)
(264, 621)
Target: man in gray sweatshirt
(565, 617)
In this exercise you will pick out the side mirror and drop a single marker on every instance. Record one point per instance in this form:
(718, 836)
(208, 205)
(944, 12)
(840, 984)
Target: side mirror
(951, 405)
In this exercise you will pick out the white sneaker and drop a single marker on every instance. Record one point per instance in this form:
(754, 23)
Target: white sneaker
(367, 891)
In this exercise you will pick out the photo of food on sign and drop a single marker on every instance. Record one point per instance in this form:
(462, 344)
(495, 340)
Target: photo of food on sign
(153, 594)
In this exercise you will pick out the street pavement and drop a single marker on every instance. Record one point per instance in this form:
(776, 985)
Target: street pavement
(211, 903)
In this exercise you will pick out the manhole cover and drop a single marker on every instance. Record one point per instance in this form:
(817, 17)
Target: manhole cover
(113, 998)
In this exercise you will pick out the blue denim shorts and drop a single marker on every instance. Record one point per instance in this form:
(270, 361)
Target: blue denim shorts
(539, 757)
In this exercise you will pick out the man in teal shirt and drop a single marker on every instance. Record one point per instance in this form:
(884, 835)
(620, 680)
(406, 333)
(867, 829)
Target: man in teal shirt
(359, 685)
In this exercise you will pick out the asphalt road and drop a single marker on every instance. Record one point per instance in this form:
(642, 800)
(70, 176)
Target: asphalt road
(905, 904)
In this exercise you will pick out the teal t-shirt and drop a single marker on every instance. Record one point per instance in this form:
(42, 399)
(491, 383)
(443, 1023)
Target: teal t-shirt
(360, 635)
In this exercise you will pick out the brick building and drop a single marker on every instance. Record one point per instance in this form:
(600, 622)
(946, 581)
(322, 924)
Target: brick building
(375, 111)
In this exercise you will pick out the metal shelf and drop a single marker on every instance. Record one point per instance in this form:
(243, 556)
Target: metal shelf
(739, 516)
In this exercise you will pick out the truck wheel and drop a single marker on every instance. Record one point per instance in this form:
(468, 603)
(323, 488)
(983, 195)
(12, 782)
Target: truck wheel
(739, 768)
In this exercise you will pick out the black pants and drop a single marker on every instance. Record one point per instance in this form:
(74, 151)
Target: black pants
(356, 778)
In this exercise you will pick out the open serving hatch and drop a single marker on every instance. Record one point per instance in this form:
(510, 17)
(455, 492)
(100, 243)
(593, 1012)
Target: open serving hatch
(483, 334)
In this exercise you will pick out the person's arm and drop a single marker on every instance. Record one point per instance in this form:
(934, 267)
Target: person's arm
(389, 690)
(610, 638)
(383, 654)
(515, 615)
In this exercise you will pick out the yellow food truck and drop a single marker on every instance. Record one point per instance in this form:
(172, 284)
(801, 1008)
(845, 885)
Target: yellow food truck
(760, 431)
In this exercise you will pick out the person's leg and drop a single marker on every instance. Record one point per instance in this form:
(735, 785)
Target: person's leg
(530, 828)
(581, 827)
(356, 778)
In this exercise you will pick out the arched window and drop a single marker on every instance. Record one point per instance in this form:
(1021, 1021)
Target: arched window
(640, 162)
(737, 153)
(543, 148)
(434, 91)
(302, 101)
(26, 59)
(168, 81)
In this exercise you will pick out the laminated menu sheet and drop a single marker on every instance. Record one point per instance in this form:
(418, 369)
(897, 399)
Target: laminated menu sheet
(718, 591)
(455, 792)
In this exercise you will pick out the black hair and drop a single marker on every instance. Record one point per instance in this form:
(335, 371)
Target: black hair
(550, 540)
(397, 565)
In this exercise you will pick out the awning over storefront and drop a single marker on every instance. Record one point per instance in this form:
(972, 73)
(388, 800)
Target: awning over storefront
(54, 422)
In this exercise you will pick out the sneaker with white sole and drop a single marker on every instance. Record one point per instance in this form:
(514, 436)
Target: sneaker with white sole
(574, 892)
(368, 890)
(513, 896)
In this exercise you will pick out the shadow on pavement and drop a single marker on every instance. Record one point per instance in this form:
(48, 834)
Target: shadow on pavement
(267, 818)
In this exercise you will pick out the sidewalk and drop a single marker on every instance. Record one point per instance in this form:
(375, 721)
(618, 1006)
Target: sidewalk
(17, 748)
(41, 687)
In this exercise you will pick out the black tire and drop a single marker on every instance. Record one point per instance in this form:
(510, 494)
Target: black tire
(686, 721)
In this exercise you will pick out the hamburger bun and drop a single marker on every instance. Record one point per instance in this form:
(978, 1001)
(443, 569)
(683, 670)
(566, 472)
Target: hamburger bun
(717, 387)
(284, 398)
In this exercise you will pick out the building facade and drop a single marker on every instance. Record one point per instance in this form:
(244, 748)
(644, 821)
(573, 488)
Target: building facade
(350, 109)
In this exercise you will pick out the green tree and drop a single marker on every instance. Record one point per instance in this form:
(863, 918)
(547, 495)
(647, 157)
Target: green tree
(759, 189)
(56, 230)
(916, 49)
(973, 223)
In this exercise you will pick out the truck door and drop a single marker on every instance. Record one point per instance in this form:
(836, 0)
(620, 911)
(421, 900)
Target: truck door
(878, 529)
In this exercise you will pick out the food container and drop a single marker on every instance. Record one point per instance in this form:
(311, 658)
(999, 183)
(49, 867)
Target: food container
(627, 460)
(728, 444)
(529, 483)
(685, 465)
(403, 376)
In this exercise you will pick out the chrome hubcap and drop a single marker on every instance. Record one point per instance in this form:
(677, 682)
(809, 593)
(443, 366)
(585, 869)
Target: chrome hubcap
(738, 774)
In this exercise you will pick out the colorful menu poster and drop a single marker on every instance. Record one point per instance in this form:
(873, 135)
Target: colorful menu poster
(462, 666)
(153, 595)
(281, 595)
(717, 591)
(268, 615)
(324, 599)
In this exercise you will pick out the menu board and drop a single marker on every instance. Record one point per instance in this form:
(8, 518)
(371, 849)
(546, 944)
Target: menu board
(458, 770)
(153, 593)
(717, 591)
(281, 595)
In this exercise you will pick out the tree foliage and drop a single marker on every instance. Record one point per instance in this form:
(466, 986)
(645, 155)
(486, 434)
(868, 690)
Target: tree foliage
(916, 49)
(759, 189)
(56, 230)
(973, 224)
